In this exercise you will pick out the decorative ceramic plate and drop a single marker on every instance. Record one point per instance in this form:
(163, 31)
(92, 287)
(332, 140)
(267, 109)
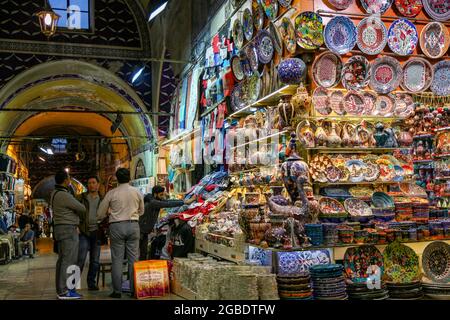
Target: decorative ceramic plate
(371, 35)
(247, 24)
(288, 35)
(386, 74)
(317, 167)
(382, 200)
(270, 8)
(341, 4)
(438, 10)
(300, 261)
(413, 190)
(361, 192)
(357, 168)
(354, 103)
(309, 30)
(409, 8)
(370, 100)
(434, 40)
(236, 68)
(441, 81)
(337, 102)
(246, 92)
(357, 208)
(264, 47)
(340, 35)
(384, 106)
(417, 75)
(327, 69)
(258, 15)
(334, 174)
(376, 6)
(236, 101)
(321, 101)
(252, 56)
(285, 3)
(356, 73)
(387, 171)
(276, 37)
(401, 263)
(330, 206)
(436, 261)
(358, 260)
(372, 172)
(403, 37)
(404, 105)
(238, 34)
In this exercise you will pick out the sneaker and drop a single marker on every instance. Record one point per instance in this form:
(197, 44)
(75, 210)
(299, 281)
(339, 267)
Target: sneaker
(70, 295)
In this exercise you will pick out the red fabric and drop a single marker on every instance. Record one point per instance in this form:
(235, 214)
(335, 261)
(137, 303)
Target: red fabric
(228, 83)
(210, 187)
(215, 43)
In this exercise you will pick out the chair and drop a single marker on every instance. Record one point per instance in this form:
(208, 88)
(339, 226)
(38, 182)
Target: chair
(106, 267)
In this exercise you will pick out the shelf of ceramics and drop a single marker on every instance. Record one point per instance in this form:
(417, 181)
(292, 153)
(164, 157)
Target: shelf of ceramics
(270, 100)
(355, 150)
(219, 251)
(348, 183)
(237, 173)
(356, 118)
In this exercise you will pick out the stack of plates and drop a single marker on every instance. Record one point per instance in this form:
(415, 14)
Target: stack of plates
(294, 286)
(360, 291)
(315, 233)
(405, 291)
(384, 214)
(421, 212)
(330, 233)
(438, 213)
(437, 291)
(403, 211)
(328, 282)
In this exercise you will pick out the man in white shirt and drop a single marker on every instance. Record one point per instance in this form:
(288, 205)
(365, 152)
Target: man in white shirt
(126, 205)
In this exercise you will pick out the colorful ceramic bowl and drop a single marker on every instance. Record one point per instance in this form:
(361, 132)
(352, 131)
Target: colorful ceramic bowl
(441, 81)
(417, 75)
(386, 74)
(434, 40)
(403, 37)
(309, 30)
(356, 73)
(327, 69)
(409, 8)
(438, 10)
(371, 35)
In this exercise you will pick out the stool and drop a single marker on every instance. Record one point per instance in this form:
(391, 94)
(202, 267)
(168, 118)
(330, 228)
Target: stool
(106, 267)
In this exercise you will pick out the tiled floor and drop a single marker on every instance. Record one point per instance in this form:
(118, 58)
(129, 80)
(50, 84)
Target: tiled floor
(34, 279)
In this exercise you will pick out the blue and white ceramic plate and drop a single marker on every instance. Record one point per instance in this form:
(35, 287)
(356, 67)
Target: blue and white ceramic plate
(340, 35)
(403, 37)
(300, 261)
(441, 81)
(376, 6)
(238, 34)
(247, 24)
(264, 47)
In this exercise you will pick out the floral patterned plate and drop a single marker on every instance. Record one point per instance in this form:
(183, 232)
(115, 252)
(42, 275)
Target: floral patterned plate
(384, 106)
(252, 56)
(441, 81)
(387, 171)
(438, 10)
(309, 30)
(321, 101)
(376, 6)
(357, 168)
(264, 47)
(334, 174)
(238, 34)
(357, 208)
(361, 192)
(276, 37)
(330, 206)
(386, 74)
(358, 260)
(413, 190)
(370, 100)
(409, 8)
(354, 103)
(403, 37)
(317, 167)
(293, 263)
(401, 264)
(340, 35)
(258, 15)
(434, 40)
(436, 261)
(236, 68)
(337, 102)
(270, 8)
(417, 75)
(356, 73)
(247, 24)
(404, 105)
(327, 69)
(341, 4)
(372, 172)
(288, 35)
(371, 35)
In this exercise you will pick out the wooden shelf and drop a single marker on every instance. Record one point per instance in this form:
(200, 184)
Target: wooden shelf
(348, 183)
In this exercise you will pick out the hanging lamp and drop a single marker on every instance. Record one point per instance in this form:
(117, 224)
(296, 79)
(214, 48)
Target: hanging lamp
(48, 20)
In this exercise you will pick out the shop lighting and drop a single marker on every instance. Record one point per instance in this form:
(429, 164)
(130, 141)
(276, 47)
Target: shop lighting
(48, 20)
(137, 74)
(260, 139)
(180, 137)
(47, 150)
(67, 170)
(42, 159)
(158, 11)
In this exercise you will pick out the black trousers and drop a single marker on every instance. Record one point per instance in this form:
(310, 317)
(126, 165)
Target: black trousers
(143, 247)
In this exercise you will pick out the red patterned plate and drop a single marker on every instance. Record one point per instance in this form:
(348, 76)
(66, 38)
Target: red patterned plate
(417, 75)
(386, 74)
(341, 4)
(385, 106)
(354, 103)
(327, 70)
(409, 8)
(434, 40)
(370, 100)
(371, 35)
(321, 101)
(337, 102)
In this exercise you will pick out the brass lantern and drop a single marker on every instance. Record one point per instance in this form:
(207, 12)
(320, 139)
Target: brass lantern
(48, 21)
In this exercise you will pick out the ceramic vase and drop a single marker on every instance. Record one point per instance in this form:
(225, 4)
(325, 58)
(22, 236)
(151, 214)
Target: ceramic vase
(320, 136)
(306, 134)
(301, 101)
(286, 112)
(333, 139)
(291, 71)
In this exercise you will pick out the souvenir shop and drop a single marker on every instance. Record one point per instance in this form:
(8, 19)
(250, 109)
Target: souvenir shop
(324, 134)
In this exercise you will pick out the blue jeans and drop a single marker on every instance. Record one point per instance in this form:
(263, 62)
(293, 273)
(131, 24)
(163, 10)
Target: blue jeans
(91, 244)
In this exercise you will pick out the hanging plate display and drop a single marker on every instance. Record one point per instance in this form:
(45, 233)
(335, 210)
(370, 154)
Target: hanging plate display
(386, 74)
(356, 168)
(341, 4)
(327, 69)
(358, 260)
(441, 81)
(354, 103)
(333, 174)
(252, 56)
(321, 102)
(401, 263)
(434, 40)
(376, 6)
(246, 92)
(337, 102)
(276, 37)
(436, 261)
(238, 34)
(404, 105)
(371, 35)
(285, 3)
(309, 30)
(264, 46)
(357, 208)
(403, 37)
(288, 34)
(236, 68)
(356, 73)
(236, 101)
(258, 15)
(372, 172)
(438, 10)
(370, 100)
(340, 35)
(417, 75)
(384, 106)
(270, 8)
(330, 206)
(247, 24)
(409, 8)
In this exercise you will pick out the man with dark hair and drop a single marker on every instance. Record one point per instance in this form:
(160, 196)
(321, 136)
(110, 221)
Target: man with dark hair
(153, 203)
(126, 205)
(89, 241)
(66, 218)
(26, 239)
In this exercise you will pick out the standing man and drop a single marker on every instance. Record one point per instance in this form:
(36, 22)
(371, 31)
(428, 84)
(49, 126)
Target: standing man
(66, 217)
(126, 205)
(88, 232)
(153, 203)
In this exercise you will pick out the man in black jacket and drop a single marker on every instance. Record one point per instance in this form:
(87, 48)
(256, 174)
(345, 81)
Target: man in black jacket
(153, 203)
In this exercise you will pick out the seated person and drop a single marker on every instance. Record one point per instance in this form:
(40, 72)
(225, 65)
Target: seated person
(26, 238)
(4, 234)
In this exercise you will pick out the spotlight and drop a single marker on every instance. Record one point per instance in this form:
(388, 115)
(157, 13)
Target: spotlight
(47, 150)
(157, 11)
(137, 74)
(42, 159)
